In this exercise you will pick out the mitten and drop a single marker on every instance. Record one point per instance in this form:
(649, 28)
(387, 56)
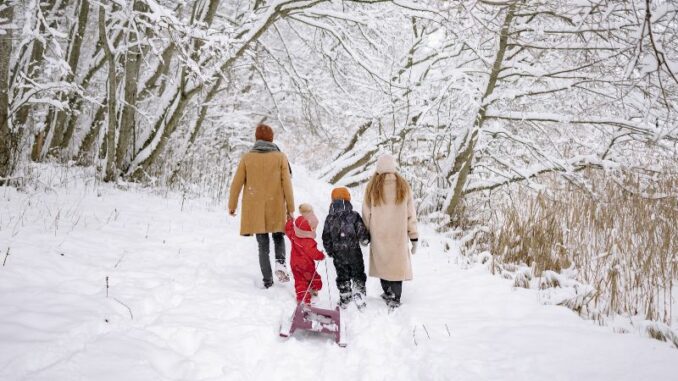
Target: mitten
(414, 247)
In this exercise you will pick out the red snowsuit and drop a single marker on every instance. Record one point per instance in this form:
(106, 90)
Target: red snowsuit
(304, 252)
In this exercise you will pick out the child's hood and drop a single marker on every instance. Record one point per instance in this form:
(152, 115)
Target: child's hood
(338, 206)
(306, 211)
(302, 228)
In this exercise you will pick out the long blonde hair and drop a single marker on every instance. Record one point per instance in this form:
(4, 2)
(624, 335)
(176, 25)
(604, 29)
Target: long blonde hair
(374, 195)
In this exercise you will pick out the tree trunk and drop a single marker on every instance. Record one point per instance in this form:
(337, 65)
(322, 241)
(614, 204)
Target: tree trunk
(132, 66)
(62, 136)
(55, 7)
(158, 79)
(198, 126)
(34, 66)
(176, 114)
(6, 140)
(35, 62)
(464, 159)
(76, 109)
(111, 172)
(88, 141)
(183, 101)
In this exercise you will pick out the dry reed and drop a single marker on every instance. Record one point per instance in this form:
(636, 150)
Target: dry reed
(619, 237)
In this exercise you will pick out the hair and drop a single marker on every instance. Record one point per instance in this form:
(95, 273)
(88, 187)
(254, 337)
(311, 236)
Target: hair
(374, 195)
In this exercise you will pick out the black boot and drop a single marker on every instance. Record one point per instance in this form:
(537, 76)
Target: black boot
(359, 295)
(392, 292)
(344, 300)
(343, 283)
(387, 296)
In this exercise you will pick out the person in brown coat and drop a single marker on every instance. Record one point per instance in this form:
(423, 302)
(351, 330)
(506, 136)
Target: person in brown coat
(390, 217)
(267, 201)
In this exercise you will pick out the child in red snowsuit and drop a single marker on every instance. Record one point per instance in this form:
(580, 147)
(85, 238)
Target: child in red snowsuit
(304, 253)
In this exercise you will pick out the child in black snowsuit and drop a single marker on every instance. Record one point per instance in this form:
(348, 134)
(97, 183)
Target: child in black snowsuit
(343, 233)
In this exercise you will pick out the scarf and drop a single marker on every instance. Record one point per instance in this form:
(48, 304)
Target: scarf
(263, 146)
(303, 233)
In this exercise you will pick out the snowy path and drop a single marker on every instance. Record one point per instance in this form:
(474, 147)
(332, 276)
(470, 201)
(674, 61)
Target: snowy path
(191, 285)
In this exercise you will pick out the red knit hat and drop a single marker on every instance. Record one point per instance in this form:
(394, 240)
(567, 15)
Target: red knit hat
(264, 132)
(341, 193)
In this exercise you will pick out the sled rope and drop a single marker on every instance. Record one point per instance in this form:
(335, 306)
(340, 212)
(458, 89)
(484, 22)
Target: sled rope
(310, 282)
(329, 289)
(315, 271)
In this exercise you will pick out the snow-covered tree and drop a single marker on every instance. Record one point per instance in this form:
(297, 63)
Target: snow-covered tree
(499, 92)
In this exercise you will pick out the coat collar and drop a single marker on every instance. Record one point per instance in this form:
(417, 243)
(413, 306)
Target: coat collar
(340, 206)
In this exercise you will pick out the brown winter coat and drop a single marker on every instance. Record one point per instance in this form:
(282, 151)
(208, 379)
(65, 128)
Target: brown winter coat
(391, 227)
(268, 197)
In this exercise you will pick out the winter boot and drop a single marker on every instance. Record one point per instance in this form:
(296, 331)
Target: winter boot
(388, 297)
(281, 272)
(392, 305)
(359, 294)
(344, 300)
(359, 300)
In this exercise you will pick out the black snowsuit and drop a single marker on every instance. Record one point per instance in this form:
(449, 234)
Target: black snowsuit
(343, 233)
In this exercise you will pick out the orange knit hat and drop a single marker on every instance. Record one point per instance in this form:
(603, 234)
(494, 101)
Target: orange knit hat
(264, 132)
(341, 193)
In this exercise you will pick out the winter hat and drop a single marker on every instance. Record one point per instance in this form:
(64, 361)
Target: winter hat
(386, 164)
(341, 193)
(264, 132)
(306, 211)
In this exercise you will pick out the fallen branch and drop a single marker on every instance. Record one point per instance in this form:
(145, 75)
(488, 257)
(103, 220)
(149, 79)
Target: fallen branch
(426, 330)
(119, 260)
(126, 306)
(5, 260)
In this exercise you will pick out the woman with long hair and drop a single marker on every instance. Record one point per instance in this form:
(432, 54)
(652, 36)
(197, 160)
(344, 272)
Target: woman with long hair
(389, 214)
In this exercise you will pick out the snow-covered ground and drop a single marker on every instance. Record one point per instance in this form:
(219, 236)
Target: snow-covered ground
(185, 303)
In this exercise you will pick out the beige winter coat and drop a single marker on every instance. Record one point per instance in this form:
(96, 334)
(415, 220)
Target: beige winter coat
(391, 227)
(267, 196)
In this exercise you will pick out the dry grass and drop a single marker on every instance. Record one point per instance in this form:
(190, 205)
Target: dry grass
(622, 239)
(662, 332)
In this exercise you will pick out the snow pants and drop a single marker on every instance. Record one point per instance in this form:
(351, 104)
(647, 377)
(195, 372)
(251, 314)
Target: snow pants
(351, 277)
(264, 254)
(306, 283)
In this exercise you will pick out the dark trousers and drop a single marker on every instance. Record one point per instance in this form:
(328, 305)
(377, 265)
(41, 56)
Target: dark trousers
(265, 250)
(350, 272)
(392, 289)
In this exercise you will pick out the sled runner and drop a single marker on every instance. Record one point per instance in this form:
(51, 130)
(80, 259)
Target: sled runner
(309, 318)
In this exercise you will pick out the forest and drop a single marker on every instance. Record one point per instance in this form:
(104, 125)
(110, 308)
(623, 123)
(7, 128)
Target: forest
(540, 136)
